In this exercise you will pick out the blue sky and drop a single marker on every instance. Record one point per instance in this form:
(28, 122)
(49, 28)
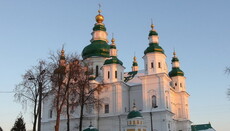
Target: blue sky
(198, 30)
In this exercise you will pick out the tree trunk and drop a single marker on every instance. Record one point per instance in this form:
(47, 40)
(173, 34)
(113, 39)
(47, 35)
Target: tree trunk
(81, 117)
(67, 113)
(57, 121)
(35, 116)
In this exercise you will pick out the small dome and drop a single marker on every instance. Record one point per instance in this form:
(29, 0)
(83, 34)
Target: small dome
(134, 114)
(174, 59)
(154, 47)
(176, 71)
(153, 32)
(114, 60)
(99, 27)
(96, 48)
(99, 18)
(91, 128)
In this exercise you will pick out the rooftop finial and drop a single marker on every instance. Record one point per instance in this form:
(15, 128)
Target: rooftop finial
(62, 51)
(99, 10)
(99, 18)
(112, 40)
(174, 52)
(134, 105)
(152, 26)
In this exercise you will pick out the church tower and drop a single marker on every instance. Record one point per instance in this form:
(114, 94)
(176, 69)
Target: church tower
(113, 69)
(180, 104)
(154, 58)
(98, 51)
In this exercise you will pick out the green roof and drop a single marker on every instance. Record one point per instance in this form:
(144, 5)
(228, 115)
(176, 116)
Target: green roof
(175, 59)
(113, 60)
(96, 48)
(152, 32)
(154, 47)
(91, 128)
(176, 71)
(135, 64)
(113, 47)
(201, 127)
(99, 27)
(134, 114)
(130, 76)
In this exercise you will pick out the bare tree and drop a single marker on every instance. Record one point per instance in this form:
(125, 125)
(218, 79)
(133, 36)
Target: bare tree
(72, 87)
(27, 92)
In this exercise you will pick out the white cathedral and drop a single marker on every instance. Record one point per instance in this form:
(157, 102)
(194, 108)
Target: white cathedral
(152, 99)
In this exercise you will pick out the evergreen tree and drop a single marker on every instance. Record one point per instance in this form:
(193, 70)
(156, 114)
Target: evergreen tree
(19, 125)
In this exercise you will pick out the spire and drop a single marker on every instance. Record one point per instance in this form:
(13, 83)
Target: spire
(99, 42)
(62, 60)
(99, 18)
(135, 65)
(113, 48)
(176, 71)
(134, 106)
(153, 41)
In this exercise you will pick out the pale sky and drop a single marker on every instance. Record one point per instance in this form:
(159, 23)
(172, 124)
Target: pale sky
(199, 30)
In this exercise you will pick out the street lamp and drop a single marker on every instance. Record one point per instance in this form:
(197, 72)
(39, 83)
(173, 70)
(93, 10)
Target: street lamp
(38, 79)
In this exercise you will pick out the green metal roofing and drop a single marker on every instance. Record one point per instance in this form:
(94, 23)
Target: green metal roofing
(96, 48)
(91, 128)
(134, 114)
(154, 47)
(113, 47)
(135, 64)
(62, 57)
(113, 60)
(130, 76)
(201, 127)
(152, 32)
(174, 59)
(99, 27)
(176, 71)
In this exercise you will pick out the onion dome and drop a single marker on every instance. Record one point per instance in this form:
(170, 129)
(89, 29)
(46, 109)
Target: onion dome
(91, 128)
(113, 54)
(98, 46)
(99, 18)
(176, 71)
(153, 42)
(113, 60)
(113, 45)
(135, 61)
(62, 57)
(134, 113)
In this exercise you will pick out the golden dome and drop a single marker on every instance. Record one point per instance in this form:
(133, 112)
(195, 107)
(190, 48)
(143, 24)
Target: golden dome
(99, 18)
(152, 26)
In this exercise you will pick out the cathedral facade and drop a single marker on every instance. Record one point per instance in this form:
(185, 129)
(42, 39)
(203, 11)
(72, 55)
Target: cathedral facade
(152, 99)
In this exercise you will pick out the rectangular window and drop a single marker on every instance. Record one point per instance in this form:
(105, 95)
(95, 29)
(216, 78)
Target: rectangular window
(108, 74)
(151, 64)
(50, 113)
(159, 65)
(106, 108)
(97, 71)
(115, 74)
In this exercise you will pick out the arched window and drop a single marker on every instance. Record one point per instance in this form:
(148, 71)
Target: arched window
(151, 64)
(108, 74)
(115, 74)
(167, 102)
(159, 65)
(96, 70)
(154, 101)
